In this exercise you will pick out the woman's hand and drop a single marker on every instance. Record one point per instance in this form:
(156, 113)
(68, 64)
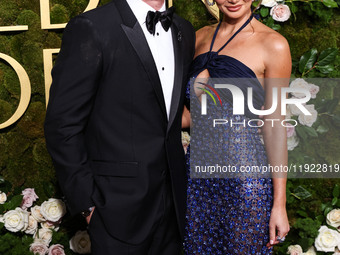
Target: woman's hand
(278, 225)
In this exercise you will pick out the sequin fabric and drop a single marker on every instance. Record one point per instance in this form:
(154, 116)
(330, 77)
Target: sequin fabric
(227, 215)
(230, 215)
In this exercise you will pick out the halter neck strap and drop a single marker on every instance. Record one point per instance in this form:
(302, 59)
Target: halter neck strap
(231, 38)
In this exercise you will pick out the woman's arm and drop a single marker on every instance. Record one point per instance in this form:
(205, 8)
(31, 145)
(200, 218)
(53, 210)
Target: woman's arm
(278, 63)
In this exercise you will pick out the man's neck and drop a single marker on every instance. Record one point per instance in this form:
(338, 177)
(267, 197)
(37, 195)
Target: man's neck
(156, 4)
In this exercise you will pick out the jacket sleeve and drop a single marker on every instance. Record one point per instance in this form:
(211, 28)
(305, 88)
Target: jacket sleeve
(192, 45)
(75, 80)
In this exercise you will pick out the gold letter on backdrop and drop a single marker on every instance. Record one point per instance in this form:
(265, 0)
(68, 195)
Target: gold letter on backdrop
(25, 86)
(45, 14)
(48, 64)
(13, 28)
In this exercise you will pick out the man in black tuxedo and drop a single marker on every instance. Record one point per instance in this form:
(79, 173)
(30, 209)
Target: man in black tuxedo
(113, 125)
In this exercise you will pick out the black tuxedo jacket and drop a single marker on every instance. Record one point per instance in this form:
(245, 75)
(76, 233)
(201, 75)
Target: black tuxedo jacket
(106, 126)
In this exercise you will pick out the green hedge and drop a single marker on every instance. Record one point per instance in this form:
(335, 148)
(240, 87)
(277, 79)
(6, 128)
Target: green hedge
(24, 160)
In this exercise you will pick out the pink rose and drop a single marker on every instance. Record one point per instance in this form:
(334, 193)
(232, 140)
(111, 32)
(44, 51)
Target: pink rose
(56, 249)
(38, 248)
(29, 198)
(290, 130)
(280, 12)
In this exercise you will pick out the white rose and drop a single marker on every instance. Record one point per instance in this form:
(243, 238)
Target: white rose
(292, 142)
(269, 3)
(185, 140)
(32, 225)
(185, 137)
(327, 239)
(16, 220)
(311, 251)
(295, 250)
(50, 225)
(36, 213)
(308, 120)
(80, 243)
(280, 12)
(313, 89)
(293, 109)
(299, 84)
(333, 218)
(44, 235)
(3, 198)
(53, 209)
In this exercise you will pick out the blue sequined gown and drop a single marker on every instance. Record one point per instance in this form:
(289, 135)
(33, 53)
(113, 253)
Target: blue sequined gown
(224, 215)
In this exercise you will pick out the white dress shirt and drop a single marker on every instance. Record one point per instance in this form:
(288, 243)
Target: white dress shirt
(161, 47)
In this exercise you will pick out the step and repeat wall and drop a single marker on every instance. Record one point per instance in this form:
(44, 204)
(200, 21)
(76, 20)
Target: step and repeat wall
(30, 38)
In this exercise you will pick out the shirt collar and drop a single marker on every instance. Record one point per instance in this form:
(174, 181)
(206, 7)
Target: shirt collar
(140, 9)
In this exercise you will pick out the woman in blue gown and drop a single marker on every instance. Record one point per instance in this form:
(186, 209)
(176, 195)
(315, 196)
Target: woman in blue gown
(240, 215)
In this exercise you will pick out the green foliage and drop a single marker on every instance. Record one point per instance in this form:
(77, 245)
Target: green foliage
(307, 211)
(25, 162)
(318, 65)
(301, 193)
(59, 14)
(307, 60)
(319, 143)
(28, 18)
(308, 230)
(65, 231)
(8, 12)
(5, 110)
(15, 244)
(195, 12)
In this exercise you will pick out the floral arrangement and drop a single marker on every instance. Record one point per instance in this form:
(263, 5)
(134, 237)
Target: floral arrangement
(80, 243)
(292, 110)
(278, 10)
(37, 223)
(281, 10)
(319, 234)
(311, 63)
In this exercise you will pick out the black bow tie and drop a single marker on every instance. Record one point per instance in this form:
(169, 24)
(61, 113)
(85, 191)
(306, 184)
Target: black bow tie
(164, 17)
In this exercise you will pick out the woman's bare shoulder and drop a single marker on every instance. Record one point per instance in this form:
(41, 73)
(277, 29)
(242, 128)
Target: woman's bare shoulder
(206, 30)
(275, 52)
(271, 40)
(205, 34)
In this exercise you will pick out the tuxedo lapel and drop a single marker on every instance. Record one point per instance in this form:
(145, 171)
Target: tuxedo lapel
(137, 39)
(177, 89)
